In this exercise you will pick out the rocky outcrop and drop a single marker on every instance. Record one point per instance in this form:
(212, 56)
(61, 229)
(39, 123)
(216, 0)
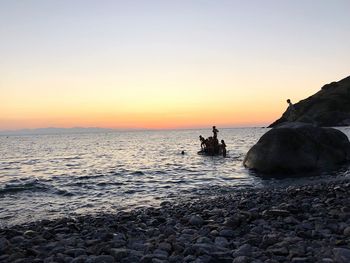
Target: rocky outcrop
(329, 107)
(296, 148)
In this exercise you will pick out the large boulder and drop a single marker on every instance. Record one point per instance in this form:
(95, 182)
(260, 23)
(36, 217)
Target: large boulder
(297, 148)
(328, 107)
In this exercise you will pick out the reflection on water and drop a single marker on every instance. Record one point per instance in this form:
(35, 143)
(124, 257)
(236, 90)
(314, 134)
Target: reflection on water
(59, 175)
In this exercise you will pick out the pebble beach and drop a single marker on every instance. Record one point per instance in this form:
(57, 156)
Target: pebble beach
(309, 223)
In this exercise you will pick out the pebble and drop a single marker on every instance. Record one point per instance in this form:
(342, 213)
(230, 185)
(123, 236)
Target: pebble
(196, 220)
(29, 233)
(119, 253)
(102, 259)
(244, 250)
(221, 241)
(241, 259)
(347, 231)
(341, 255)
(300, 260)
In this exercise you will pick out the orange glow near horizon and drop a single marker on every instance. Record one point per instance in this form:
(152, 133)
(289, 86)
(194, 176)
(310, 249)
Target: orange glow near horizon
(191, 100)
(148, 115)
(146, 105)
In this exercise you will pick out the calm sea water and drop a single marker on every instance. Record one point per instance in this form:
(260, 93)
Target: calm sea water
(48, 176)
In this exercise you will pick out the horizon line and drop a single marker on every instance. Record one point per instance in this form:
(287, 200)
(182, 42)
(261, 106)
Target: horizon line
(126, 129)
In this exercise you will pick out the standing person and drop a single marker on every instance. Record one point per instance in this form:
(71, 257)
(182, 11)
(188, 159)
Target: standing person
(215, 132)
(202, 141)
(223, 145)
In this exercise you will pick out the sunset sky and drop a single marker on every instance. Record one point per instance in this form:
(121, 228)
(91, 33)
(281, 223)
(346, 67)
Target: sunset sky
(165, 64)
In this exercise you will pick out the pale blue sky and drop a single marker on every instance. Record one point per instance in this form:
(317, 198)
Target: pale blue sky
(286, 47)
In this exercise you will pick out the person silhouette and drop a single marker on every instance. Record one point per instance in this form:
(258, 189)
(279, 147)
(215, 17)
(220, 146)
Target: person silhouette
(291, 111)
(215, 132)
(201, 138)
(223, 146)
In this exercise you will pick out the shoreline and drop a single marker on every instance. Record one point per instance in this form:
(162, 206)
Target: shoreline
(309, 223)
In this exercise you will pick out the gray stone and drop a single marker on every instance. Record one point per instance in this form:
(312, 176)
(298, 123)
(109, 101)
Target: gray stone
(29, 234)
(276, 212)
(3, 257)
(4, 244)
(233, 221)
(157, 260)
(159, 253)
(131, 258)
(241, 259)
(147, 258)
(189, 258)
(296, 150)
(280, 251)
(204, 259)
(341, 255)
(137, 245)
(347, 231)
(57, 249)
(104, 259)
(244, 250)
(118, 243)
(119, 253)
(196, 220)
(204, 248)
(175, 258)
(227, 233)
(75, 252)
(189, 231)
(300, 260)
(17, 239)
(165, 246)
(221, 241)
(204, 240)
(80, 259)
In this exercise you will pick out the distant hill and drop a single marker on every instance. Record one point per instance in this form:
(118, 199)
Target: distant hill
(52, 130)
(329, 107)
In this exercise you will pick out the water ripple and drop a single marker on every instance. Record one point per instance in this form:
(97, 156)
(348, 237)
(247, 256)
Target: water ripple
(58, 175)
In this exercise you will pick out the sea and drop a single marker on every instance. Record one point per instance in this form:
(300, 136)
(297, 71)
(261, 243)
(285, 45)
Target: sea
(66, 175)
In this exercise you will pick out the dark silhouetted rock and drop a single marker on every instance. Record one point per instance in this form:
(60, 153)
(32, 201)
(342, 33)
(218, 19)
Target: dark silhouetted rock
(328, 108)
(295, 148)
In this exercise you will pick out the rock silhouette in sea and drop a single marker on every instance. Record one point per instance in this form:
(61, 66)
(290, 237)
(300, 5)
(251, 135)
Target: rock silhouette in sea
(329, 107)
(298, 147)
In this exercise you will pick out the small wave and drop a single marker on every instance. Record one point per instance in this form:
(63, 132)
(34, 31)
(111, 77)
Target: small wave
(159, 172)
(109, 183)
(10, 168)
(63, 192)
(137, 173)
(31, 162)
(85, 177)
(21, 187)
(72, 158)
(130, 192)
(73, 164)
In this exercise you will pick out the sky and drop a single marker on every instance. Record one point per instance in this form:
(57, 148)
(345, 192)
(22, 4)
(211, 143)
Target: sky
(165, 64)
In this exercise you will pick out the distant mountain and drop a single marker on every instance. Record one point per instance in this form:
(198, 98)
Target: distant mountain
(328, 107)
(52, 130)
